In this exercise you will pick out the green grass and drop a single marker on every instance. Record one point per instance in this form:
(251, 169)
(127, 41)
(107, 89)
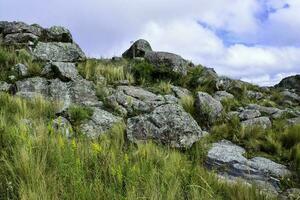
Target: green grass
(37, 162)
(188, 104)
(78, 114)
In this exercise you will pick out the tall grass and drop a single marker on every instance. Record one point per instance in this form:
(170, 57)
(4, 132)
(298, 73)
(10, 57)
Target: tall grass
(38, 162)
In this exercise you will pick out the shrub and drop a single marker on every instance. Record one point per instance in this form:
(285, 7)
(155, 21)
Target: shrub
(291, 136)
(79, 114)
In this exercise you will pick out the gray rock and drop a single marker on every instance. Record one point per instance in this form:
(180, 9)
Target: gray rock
(263, 122)
(290, 96)
(254, 95)
(168, 61)
(168, 124)
(249, 114)
(32, 87)
(100, 122)
(170, 99)
(4, 87)
(58, 52)
(223, 95)
(63, 126)
(291, 82)
(59, 92)
(21, 38)
(134, 100)
(65, 71)
(226, 84)
(208, 107)
(57, 34)
(21, 27)
(294, 121)
(137, 49)
(83, 93)
(208, 75)
(227, 158)
(21, 69)
(180, 92)
(264, 110)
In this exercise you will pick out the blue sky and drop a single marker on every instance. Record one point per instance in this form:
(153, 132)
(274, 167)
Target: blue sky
(253, 40)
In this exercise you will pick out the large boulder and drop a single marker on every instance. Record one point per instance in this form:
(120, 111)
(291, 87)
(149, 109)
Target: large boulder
(291, 82)
(56, 34)
(62, 70)
(20, 38)
(168, 61)
(223, 95)
(32, 87)
(100, 122)
(249, 114)
(228, 160)
(263, 122)
(131, 100)
(208, 107)
(58, 52)
(137, 49)
(20, 27)
(269, 111)
(168, 124)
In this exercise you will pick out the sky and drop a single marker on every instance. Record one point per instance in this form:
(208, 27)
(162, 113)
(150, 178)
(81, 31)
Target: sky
(253, 40)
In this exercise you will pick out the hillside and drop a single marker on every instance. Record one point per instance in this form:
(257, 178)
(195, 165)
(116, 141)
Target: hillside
(147, 125)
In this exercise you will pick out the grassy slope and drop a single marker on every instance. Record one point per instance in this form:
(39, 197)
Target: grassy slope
(36, 162)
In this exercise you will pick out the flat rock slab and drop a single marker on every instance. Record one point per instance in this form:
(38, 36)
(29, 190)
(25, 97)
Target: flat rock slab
(227, 158)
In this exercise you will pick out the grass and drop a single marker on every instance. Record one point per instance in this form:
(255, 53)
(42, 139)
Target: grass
(188, 104)
(113, 72)
(37, 162)
(78, 114)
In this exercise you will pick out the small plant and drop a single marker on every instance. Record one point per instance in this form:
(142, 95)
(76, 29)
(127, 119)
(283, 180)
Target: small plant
(188, 104)
(78, 114)
(291, 136)
(295, 156)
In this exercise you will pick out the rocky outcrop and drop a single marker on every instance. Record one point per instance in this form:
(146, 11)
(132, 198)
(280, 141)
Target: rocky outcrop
(263, 122)
(249, 114)
(56, 34)
(208, 107)
(223, 95)
(137, 49)
(228, 160)
(168, 124)
(291, 82)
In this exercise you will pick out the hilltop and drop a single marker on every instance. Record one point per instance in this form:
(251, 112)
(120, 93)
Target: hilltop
(148, 124)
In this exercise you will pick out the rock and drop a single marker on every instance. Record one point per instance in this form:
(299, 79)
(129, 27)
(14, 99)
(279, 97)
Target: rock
(168, 124)
(222, 95)
(63, 126)
(290, 96)
(4, 87)
(254, 95)
(21, 69)
(134, 100)
(263, 122)
(100, 122)
(290, 194)
(208, 107)
(291, 82)
(294, 121)
(168, 61)
(21, 38)
(21, 27)
(32, 87)
(137, 49)
(64, 71)
(270, 111)
(59, 92)
(180, 92)
(249, 114)
(57, 34)
(58, 52)
(227, 158)
(207, 76)
(83, 92)
(170, 99)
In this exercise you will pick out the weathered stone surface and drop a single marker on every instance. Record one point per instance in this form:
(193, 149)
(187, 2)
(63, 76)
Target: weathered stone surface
(170, 99)
(270, 111)
(294, 121)
(249, 114)
(180, 92)
(4, 87)
(58, 52)
(290, 96)
(64, 71)
(207, 106)
(169, 61)
(168, 124)
(227, 158)
(223, 95)
(137, 49)
(100, 122)
(21, 27)
(226, 84)
(59, 93)
(263, 122)
(32, 87)
(21, 69)
(57, 34)
(134, 100)
(22, 38)
(63, 126)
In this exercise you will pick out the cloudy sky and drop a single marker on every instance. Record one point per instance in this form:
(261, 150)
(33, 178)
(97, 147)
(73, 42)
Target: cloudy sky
(253, 40)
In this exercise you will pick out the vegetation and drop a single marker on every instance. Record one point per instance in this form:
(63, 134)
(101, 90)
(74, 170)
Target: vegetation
(188, 103)
(37, 162)
(78, 114)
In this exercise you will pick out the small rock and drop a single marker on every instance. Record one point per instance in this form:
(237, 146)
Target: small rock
(180, 92)
(4, 87)
(249, 114)
(263, 122)
(254, 95)
(21, 69)
(223, 95)
(63, 126)
(137, 49)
